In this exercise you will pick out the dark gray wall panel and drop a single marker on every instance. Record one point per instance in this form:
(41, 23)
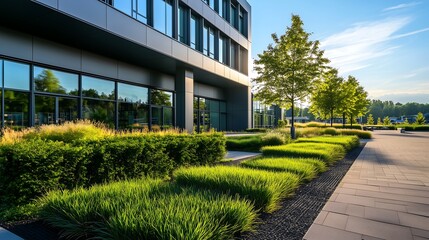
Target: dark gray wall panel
(51, 3)
(131, 73)
(180, 51)
(239, 108)
(208, 91)
(162, 81)
(197, 5)
(92, 11)
(16, 44)
(209, 14)
(121, 24)
(96, 64)
(54, 54)
(158, 41)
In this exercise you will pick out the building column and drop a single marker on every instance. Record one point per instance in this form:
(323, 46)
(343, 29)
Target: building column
(185, 100)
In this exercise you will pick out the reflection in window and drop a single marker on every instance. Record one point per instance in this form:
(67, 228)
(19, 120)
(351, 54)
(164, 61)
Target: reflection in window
(131, 93)
(233, 58)
(242, 21)
(208, 44)
(161, 98)
(209, 114)
(140, 10)
(100, 111)
(67, 109)
(16, 75)
(163, 16)
(133, 116)
(234, 15)
(182, 24)
(168, 118)
(16, 106)
(223, 50)
(98, 88)
(156, 117)
(45, 110)
(194, 32)
(221, 8)
(123, 5)
(47, 80)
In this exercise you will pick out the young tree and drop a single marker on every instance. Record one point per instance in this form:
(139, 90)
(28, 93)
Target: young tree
(329, 95)
(406, 121)
(379, 122)
(386, 120)
(370, 120)
(287, 69)
(420, 120)
(357, 103)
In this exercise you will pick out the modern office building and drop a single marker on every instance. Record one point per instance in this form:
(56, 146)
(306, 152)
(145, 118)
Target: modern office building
(128, 63)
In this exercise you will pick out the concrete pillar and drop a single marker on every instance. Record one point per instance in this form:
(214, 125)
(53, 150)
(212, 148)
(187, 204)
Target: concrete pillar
(185, 99)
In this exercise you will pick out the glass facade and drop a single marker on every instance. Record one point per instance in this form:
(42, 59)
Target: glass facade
(263, 115)
(58, 97)
(209, 114)
(192, 29)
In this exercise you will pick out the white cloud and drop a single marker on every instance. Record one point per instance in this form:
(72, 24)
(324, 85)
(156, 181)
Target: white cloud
(354, 48)
(401, 6)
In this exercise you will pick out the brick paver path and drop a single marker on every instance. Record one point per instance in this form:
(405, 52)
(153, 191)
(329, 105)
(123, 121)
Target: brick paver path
(385, 194)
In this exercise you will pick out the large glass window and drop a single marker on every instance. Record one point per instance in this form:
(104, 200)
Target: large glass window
(242, 19)
(133, 116)
(194, 41)
(221, 8)
(140, 10)
(101, 111)
(16, 75)
(132, 94)
(47, 80)
(16, 108)
(182, 24)
(67, 109)
(163, 16)
(209, 114)
(98, 88)
(44, 110)
(223, 46)
(161, 98)
(209, 39)
(123, 5)
(233, 15)
(168, 117)
(233, 60)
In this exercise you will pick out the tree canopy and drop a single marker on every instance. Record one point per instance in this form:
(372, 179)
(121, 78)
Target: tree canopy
(287, 69)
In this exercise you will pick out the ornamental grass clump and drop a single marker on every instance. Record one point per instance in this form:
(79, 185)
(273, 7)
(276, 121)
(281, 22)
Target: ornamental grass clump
(244, 143)
(146, 209)
(348, 142)
(264, 189)
(324, 151)
(307, 170)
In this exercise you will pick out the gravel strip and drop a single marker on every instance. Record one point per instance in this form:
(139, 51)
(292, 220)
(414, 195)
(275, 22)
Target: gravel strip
(297, 214)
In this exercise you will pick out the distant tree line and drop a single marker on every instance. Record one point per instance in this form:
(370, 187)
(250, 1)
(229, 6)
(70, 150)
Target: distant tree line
(382, 109)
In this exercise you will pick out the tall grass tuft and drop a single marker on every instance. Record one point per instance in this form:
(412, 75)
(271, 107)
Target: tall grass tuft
(265, 189)
(146, 209)
(348, 142)
(307, 170)
(324, 151)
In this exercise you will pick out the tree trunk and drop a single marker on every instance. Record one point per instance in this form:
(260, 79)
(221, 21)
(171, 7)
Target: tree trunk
(351, 119)
(344, 119)
(332, 116)
(292, 128)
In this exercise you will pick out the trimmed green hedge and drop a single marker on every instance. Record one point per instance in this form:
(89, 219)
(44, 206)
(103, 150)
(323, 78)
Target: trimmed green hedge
(29, 168)
(348, 142)
(324, 151)
(416, 128)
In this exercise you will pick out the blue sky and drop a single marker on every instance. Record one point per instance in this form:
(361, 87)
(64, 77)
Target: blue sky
(383, 43)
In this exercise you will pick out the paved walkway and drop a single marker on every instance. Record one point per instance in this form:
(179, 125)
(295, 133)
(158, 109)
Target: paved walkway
(237, 155)
(385, 194)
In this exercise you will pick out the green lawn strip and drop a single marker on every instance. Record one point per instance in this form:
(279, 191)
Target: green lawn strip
(146, 209)
(348, 142)
(324, 151)
(307, 170)
(264, 188)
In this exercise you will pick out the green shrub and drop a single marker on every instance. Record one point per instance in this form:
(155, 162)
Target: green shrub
(361, 134)
(324, 151)
(273, 139)
(330, 131)
(146, 209)
(307, 170)
(265, 189)
(348, 142)
(244, 143)
(257, 130)
(416, 128)
(31, 168)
